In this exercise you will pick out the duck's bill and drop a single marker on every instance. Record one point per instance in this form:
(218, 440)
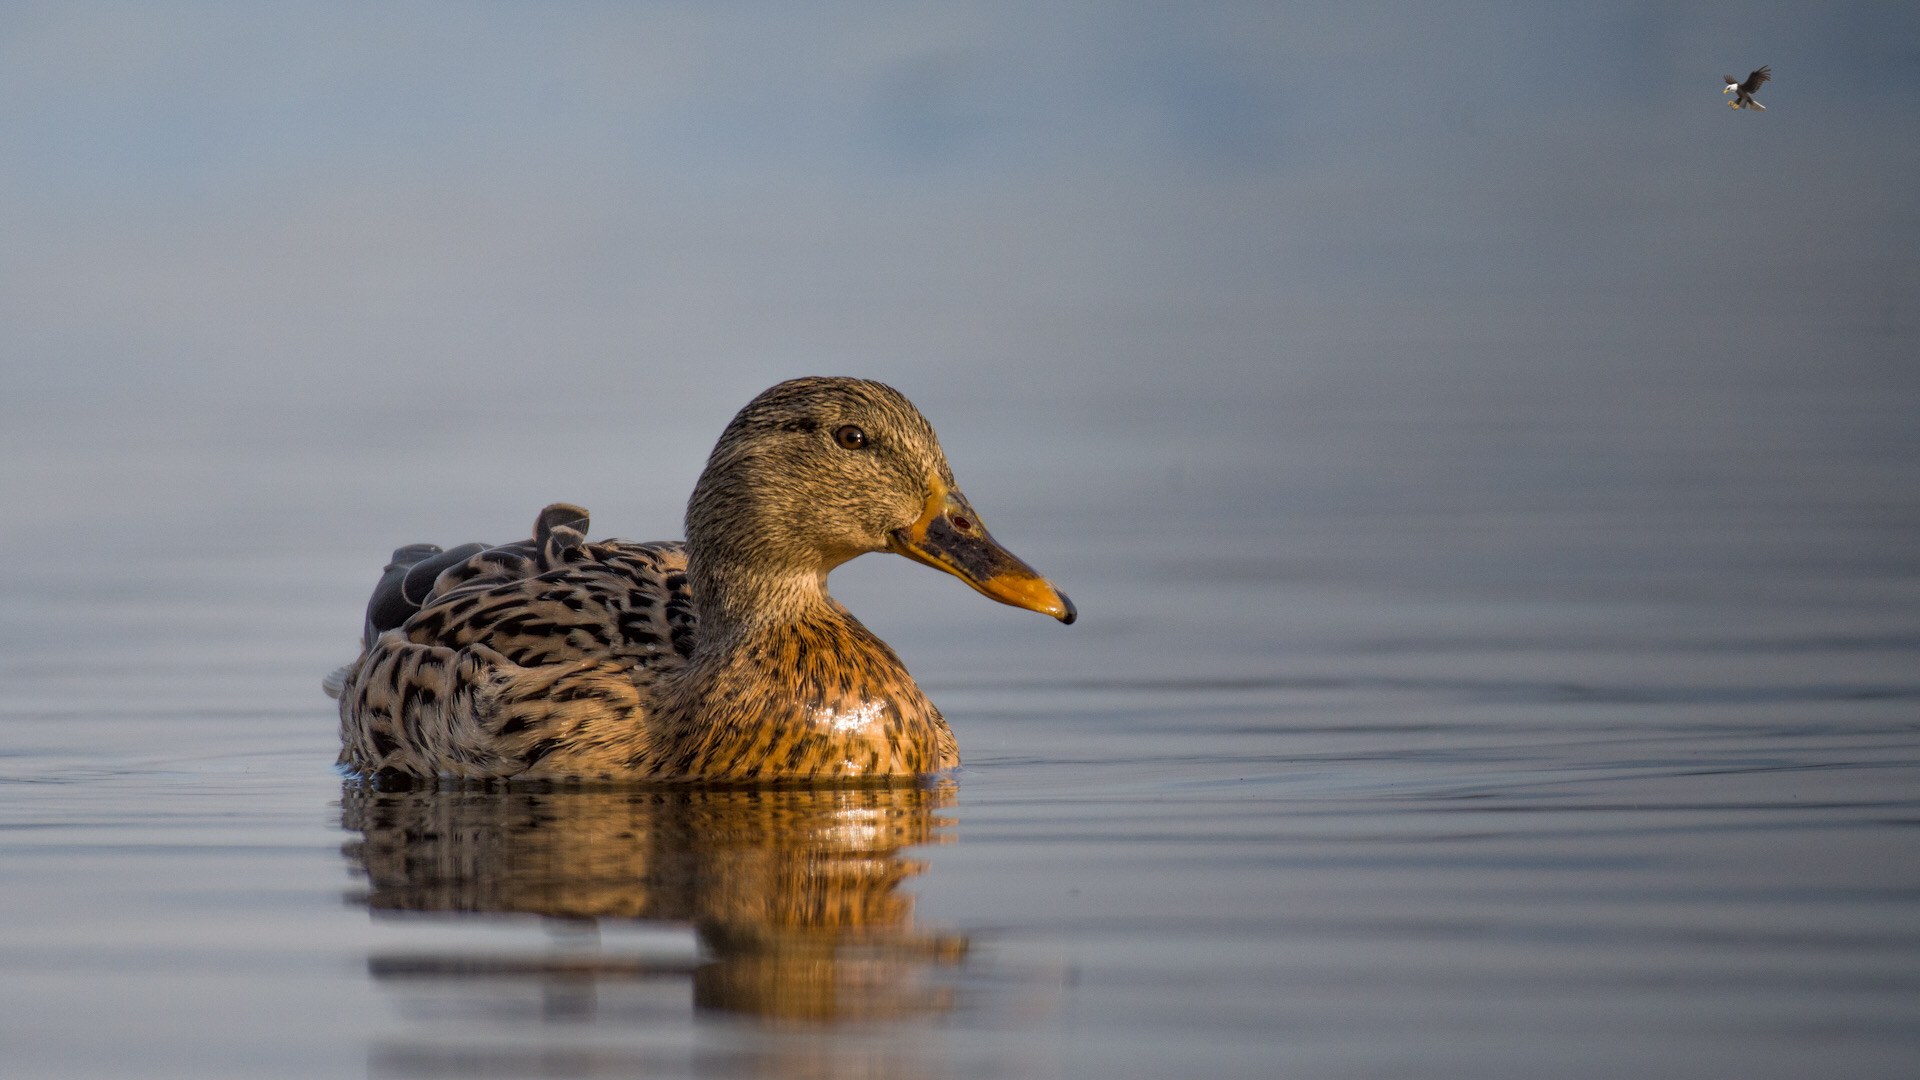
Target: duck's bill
(949, 537)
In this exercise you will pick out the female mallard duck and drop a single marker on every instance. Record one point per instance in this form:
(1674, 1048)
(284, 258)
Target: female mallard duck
(722, 658)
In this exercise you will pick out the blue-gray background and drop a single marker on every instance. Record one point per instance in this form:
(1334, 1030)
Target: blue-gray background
(1270, 252)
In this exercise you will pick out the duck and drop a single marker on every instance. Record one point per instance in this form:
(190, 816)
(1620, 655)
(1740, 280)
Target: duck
(720, 658)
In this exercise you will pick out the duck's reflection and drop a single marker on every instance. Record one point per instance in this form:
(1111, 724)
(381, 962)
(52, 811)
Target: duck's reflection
(795, 894)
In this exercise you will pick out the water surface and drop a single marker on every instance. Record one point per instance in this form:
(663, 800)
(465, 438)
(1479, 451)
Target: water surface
(1356, 803)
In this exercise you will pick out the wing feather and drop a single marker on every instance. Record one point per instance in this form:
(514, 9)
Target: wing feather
(518, 658)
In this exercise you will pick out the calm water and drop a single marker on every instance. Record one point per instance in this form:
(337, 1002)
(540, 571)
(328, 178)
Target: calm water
(1433, 784)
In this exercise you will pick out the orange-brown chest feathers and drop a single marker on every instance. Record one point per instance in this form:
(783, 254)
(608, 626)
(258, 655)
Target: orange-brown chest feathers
(815, 698)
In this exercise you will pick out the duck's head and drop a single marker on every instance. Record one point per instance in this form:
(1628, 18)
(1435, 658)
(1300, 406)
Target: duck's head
(816, 471)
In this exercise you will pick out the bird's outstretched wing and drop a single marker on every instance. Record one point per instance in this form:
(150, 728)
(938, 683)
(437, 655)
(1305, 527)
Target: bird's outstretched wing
(1760, 75)
(1731, 81)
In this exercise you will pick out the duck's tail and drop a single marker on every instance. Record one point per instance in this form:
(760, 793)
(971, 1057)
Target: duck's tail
(336, 680)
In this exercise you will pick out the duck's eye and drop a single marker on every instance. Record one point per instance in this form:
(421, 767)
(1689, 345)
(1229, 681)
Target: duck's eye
(851, 437)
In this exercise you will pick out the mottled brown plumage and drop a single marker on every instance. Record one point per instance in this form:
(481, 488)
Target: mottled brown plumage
(722, 658)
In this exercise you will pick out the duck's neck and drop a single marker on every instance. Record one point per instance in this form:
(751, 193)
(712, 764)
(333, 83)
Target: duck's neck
(784, 683)
(735, 602)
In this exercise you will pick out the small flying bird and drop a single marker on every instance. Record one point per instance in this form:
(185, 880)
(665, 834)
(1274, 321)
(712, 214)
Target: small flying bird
(1743, 91)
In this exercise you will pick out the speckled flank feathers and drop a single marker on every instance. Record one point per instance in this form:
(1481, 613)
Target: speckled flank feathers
(522, 663)
(719, 659)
